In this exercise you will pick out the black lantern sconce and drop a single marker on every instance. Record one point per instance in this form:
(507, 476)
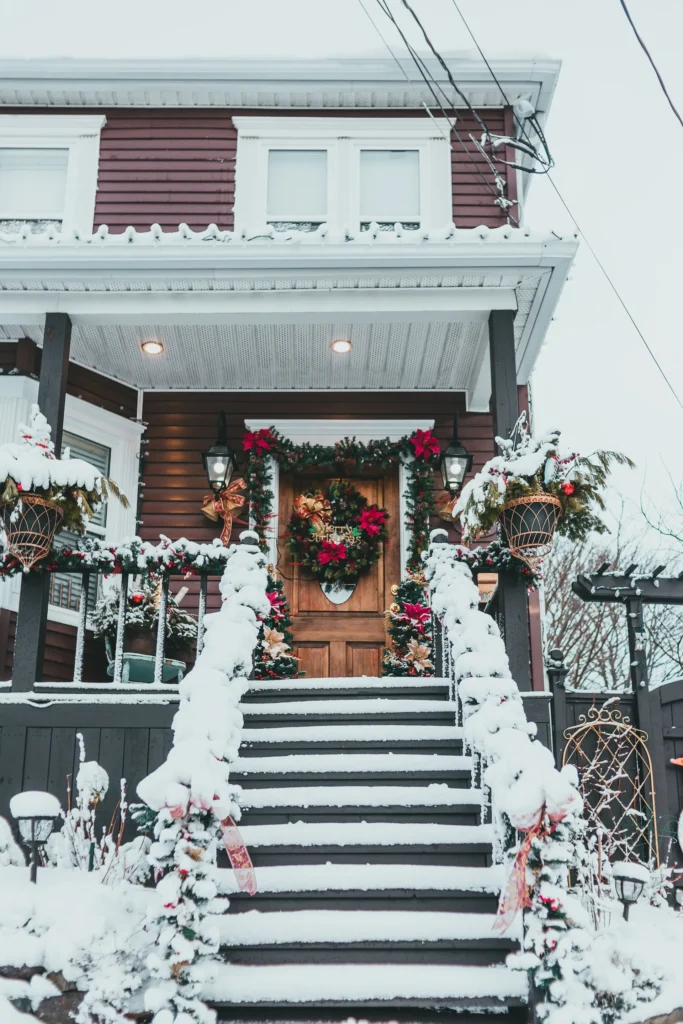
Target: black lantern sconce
(456, 462)
(219, 460)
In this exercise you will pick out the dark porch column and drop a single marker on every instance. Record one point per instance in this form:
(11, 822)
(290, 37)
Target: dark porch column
(512, 597)
(33, 599)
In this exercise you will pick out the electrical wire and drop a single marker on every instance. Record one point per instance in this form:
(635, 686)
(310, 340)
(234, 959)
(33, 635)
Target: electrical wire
(499, 196)
(576, 223)
(651, 60)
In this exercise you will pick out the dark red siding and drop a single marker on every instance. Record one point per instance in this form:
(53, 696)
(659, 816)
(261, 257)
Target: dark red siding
(166, 168)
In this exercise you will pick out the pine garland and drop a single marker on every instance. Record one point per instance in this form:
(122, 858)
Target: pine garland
(409, 625)
(273, 658)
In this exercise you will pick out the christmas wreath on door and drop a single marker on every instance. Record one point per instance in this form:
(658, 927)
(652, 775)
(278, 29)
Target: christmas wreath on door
(336, 533)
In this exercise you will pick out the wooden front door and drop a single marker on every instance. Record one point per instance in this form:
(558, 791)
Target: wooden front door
(349, 639)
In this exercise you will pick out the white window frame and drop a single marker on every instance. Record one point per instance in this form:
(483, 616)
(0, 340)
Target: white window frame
(119, 434)
(343, 138)
(80, 134)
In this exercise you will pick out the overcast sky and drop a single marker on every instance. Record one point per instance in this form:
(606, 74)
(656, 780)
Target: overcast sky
(617, 146)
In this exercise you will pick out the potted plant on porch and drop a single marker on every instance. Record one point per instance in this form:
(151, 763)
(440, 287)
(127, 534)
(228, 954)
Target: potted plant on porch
(533, 489)
(41, 494)
(142, 620)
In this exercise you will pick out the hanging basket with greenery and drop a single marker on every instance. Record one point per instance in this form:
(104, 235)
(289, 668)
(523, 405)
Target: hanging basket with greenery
(336, 533)
(533, 490)
(41, 494)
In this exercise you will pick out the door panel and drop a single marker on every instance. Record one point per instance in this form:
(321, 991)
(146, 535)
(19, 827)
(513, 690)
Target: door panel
(354, 633)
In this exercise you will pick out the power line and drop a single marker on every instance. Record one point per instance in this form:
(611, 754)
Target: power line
(499, 197)
(651, 60)
(576, 223)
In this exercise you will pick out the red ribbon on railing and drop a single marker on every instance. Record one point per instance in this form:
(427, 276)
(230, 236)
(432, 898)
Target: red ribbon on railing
(516, 895)
(238, 855)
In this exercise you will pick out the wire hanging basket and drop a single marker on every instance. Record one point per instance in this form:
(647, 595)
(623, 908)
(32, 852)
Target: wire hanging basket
(30, 525)
(529, 526)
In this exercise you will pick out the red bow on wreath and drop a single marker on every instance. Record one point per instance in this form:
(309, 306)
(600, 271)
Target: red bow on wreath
(425, 444)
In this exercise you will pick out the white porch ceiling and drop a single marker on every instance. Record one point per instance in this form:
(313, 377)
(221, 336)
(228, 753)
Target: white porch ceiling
(284, 357)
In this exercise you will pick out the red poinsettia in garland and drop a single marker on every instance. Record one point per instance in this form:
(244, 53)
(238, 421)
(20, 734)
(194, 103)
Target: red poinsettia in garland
(424, 444)
(258, 440)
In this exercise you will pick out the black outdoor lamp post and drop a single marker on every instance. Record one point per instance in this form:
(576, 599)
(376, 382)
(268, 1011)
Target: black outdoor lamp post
(35, 813)
(219, 460)
(456, 462)
(629, 882)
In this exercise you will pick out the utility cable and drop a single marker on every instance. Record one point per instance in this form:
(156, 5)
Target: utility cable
(651, 60)
(431, 84)
(577, 225)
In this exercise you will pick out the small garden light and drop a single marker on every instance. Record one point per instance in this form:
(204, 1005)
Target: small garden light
(629, 882)
(219, 460)
(456, 462)
(35, 813)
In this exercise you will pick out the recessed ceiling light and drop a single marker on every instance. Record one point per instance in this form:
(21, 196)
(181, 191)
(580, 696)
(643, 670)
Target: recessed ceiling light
(152, 347)
(341, 345)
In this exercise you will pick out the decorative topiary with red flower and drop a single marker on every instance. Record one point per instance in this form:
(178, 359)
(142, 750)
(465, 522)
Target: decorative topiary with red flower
(336, 533)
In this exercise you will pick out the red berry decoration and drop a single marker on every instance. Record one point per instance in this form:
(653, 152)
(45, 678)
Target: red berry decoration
(568, 487)
(137, 597)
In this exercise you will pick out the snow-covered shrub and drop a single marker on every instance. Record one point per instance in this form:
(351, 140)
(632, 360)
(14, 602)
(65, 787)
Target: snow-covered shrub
(78, 845)
(10, 851)
(142, 614)
(72, 485)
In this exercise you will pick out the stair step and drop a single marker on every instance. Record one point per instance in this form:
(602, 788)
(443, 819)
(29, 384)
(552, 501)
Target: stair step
(363, 937)
(343, 738)
(367, 984)
(365, 1014)
(363, 764)
(372, 709)
(433, 804)
(354, 689)
(303, 842)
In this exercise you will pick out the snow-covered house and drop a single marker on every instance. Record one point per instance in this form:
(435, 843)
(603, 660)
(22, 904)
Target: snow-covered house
(298, 245)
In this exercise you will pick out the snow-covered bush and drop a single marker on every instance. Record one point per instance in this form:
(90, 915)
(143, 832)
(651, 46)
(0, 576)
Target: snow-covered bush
(78, 845)
(10, 851)
(71, 485)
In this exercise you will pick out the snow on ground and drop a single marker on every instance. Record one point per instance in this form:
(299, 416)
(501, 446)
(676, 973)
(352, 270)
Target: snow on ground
(60, 922)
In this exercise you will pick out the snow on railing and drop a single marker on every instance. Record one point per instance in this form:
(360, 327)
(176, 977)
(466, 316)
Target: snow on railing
(265, 234)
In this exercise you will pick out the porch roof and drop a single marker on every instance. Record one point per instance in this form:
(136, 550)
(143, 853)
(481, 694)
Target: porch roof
(258, 313)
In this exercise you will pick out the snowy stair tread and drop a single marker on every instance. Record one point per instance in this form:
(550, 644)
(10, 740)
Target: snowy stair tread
(323, 984)
(331, 733)
(350, 683)
(376, 877)
(297, 764)
(371, 705)
(436, 795)
(311, 926)
(363, 833)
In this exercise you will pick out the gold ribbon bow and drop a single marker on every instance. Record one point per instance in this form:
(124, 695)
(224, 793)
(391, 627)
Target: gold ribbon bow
(314, 507)
(223, 505)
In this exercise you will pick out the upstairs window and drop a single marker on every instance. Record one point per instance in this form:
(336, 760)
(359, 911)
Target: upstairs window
(48, 171)
(297, 188)
(389, 188)
(32, 187)
(296, 173)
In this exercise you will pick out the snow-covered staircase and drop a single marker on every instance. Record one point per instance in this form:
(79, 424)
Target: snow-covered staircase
(376, 893)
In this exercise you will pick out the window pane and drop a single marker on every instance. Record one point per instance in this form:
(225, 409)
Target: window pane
(98, 455)
(297, 184)
(389, 184)
(33, 183)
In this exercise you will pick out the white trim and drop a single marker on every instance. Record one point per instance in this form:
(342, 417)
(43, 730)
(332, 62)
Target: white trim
(404, 536)
(343, 139)
(371, 82)
(80, 134)
(328, 431)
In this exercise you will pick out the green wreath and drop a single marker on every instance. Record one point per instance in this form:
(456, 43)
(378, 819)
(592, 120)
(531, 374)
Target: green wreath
(336, 533)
